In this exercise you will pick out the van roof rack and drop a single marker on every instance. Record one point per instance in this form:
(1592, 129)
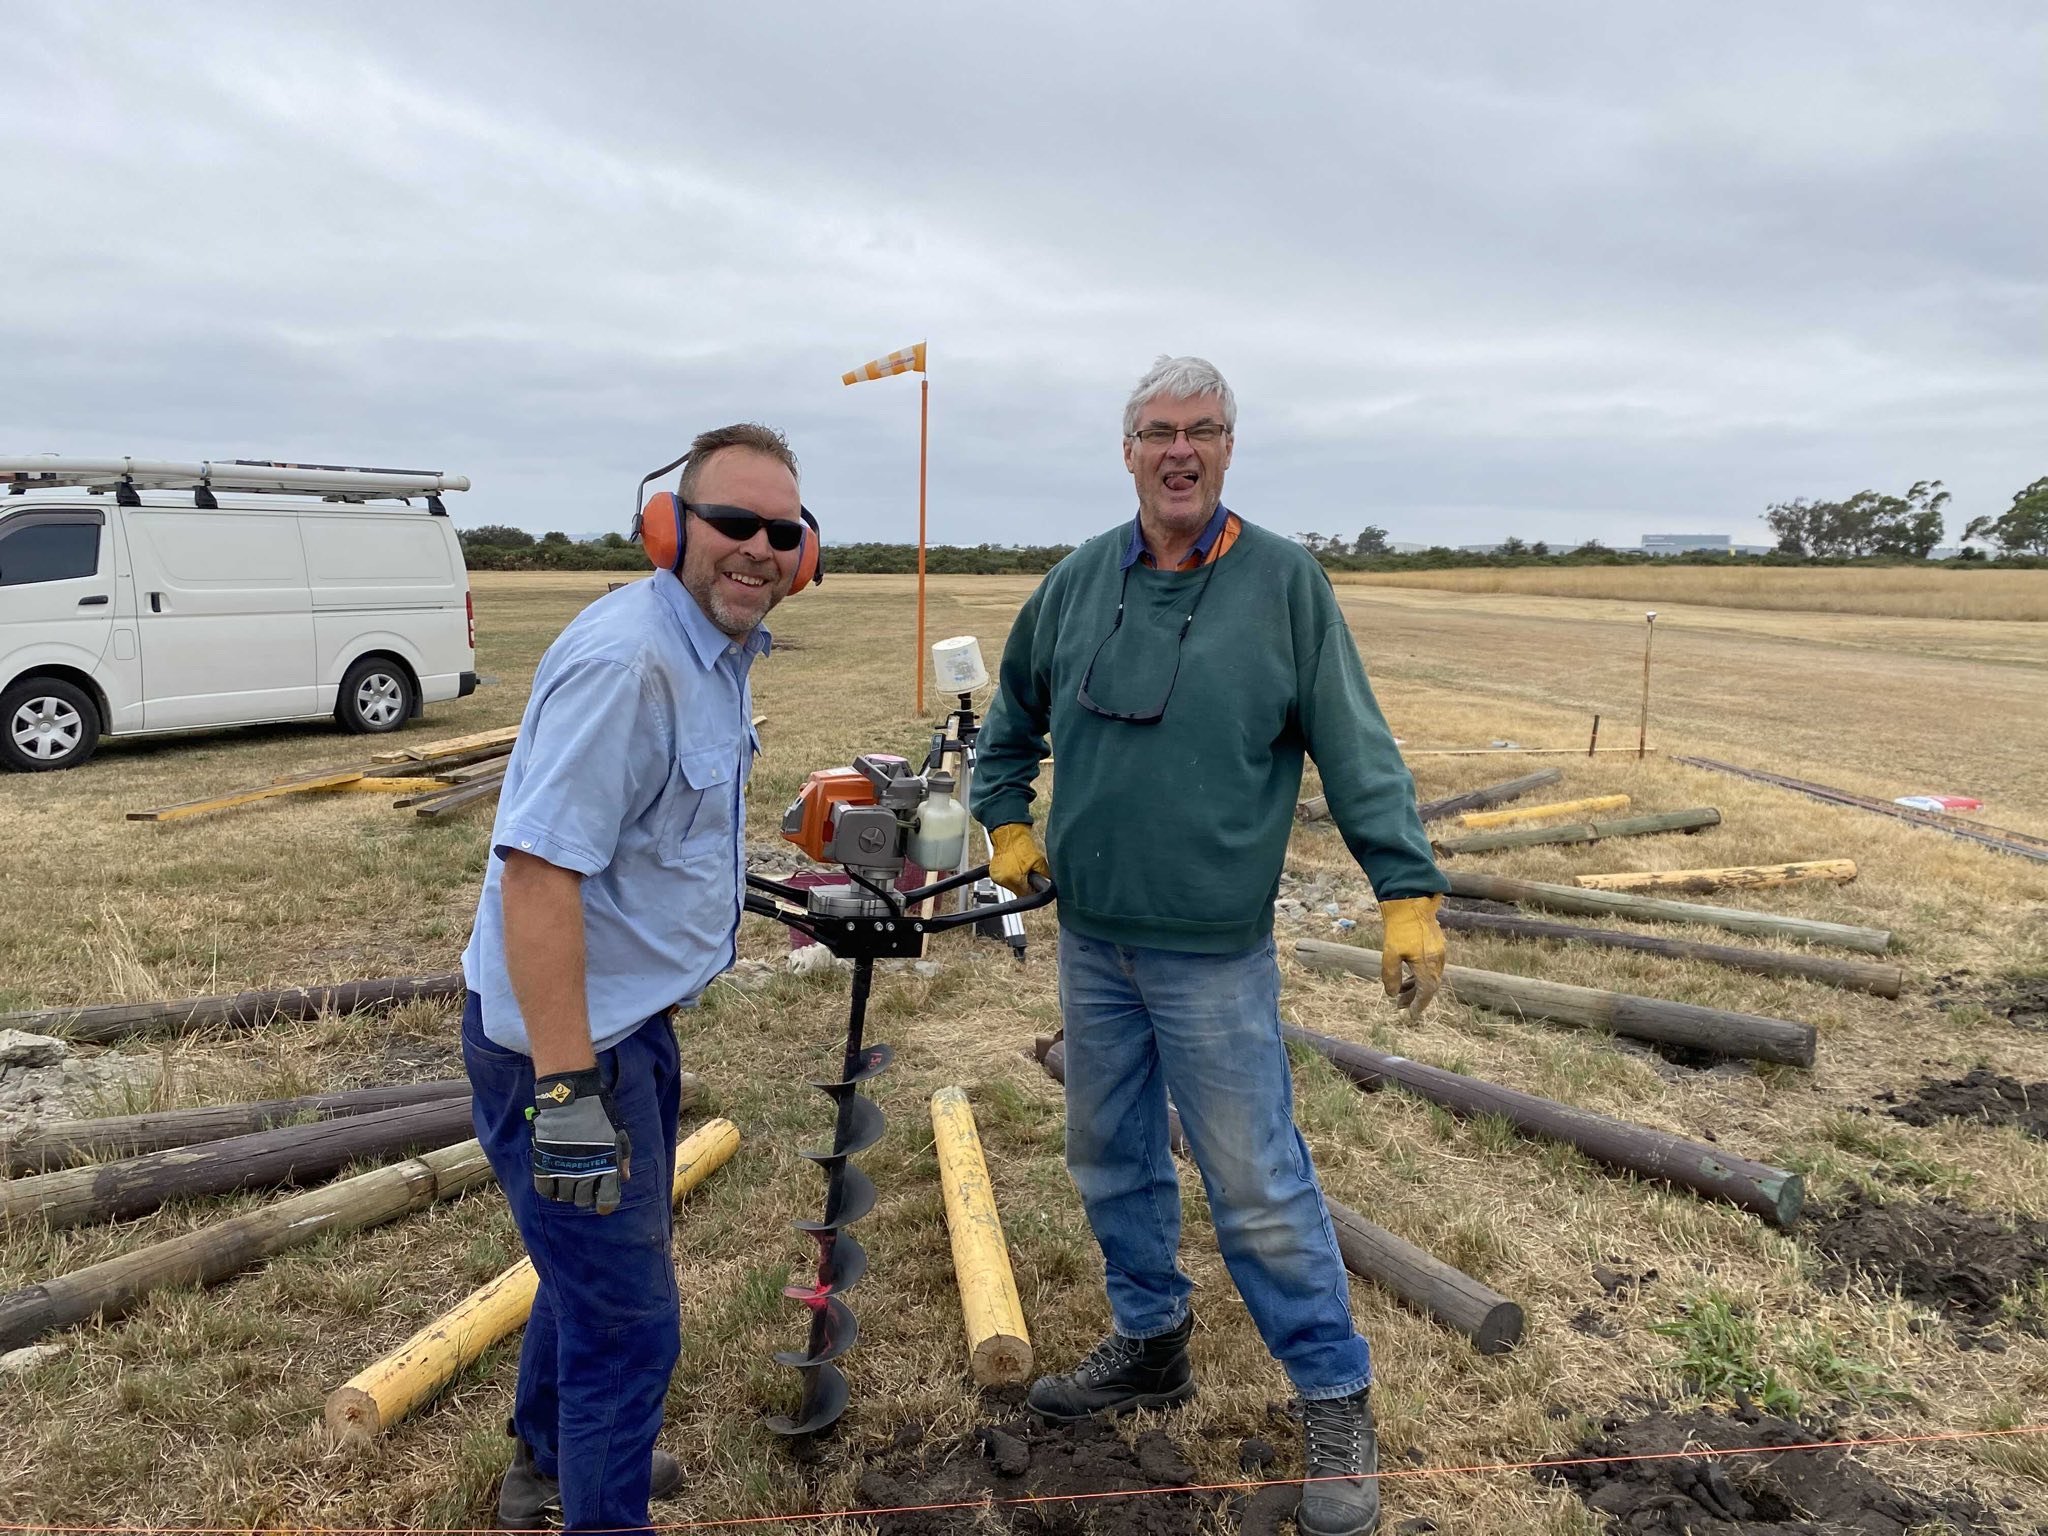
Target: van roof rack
(123, 476)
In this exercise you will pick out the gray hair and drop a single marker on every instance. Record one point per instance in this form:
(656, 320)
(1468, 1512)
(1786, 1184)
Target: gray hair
(1179, 378)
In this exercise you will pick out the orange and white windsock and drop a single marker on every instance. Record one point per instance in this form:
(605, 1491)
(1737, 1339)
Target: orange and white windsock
(909, 360)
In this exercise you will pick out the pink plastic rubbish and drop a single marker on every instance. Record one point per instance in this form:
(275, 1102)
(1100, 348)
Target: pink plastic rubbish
(1940, 802)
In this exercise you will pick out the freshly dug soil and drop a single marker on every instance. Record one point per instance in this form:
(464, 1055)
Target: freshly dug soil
(1803, 1492)
(1024, 1458)
(1982, 1095)
(2020, 1000)
(1939, 1255)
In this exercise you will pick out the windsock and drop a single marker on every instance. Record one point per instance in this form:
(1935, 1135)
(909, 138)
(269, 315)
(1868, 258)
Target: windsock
(909, 360)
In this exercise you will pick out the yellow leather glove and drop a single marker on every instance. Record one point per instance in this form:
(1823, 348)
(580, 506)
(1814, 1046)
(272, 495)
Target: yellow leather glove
(1412, 938)
(1018, 857)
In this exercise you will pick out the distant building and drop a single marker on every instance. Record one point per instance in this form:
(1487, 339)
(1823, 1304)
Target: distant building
(1686, 543)
(1406, 547)
(1479, 549)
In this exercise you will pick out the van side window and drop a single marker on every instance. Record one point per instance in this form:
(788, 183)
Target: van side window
(49, 550)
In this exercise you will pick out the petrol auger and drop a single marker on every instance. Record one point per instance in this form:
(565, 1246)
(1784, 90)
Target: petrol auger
(869, 820)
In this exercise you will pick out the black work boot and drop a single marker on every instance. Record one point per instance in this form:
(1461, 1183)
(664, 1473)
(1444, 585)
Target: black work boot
(528, 1501)
(1118, 1376)
(1343, 1447)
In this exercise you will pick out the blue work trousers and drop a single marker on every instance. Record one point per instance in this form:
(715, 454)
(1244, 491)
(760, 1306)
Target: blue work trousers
(1145, 1023)
(606, 1327)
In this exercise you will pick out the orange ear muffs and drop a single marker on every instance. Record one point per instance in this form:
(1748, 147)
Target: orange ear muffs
(810, 560)
(659, 528)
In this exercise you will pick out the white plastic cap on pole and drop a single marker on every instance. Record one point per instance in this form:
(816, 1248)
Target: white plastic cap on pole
(957, 664)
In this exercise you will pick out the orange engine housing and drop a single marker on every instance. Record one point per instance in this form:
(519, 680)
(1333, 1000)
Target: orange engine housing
(808, 822)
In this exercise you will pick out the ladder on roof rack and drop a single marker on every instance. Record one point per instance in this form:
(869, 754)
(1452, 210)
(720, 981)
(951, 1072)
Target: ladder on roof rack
(123, 476)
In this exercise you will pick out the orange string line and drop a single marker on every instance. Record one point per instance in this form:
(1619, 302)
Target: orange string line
(1704, 1453)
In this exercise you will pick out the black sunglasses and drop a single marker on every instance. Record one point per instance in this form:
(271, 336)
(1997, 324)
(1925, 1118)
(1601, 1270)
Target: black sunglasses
(1145, 716)
(740, 525)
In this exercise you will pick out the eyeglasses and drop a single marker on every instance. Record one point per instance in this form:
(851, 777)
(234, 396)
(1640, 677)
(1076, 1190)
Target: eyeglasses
(1147, 716)
(740, 525)
(1201, 434)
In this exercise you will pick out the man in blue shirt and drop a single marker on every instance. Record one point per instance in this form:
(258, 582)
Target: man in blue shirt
(613, 894)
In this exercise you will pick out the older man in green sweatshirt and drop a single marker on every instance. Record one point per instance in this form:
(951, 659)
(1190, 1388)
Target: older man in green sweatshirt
(1186, 662)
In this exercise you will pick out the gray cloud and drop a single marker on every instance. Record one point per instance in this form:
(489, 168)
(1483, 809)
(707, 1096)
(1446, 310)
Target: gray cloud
(1568, 271)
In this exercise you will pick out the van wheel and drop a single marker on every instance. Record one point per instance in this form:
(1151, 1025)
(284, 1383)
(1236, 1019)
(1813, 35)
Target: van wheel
(376, 696)
(47, 723)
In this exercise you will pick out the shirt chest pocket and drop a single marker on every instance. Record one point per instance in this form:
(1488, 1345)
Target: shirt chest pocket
(698, 819)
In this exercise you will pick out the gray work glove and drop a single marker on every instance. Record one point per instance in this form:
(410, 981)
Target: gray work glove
(579, 1155)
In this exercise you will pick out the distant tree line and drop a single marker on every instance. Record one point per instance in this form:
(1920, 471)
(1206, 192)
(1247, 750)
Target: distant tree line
(496, 547)
(1868, 526)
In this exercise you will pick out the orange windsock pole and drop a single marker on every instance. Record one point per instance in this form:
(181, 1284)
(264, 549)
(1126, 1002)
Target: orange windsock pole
(910, 360)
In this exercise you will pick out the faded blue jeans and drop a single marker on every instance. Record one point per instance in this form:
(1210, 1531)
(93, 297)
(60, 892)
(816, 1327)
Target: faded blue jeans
(1143, 1023)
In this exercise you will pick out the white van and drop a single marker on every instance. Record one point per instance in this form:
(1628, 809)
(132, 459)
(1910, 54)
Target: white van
(141, 596)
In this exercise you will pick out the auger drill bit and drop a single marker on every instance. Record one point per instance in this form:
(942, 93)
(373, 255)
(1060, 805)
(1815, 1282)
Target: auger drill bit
(849, 1195)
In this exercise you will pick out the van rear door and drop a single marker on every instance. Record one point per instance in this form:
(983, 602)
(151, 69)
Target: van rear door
(225, 617)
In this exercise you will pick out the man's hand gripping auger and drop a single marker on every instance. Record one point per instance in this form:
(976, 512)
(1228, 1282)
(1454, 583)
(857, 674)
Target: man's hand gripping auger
(863, 819)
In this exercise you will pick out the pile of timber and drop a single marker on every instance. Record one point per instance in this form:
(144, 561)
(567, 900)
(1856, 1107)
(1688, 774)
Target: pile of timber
(221, 1149)
(1491, 1321)
(429, 779)
(1717, 1031)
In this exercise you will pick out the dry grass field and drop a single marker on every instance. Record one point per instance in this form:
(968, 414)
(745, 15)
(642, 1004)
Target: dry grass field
(1903, 591)
(203, 1408)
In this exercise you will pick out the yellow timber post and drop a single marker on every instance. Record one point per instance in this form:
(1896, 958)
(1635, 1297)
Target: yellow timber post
(1521, 813)
(998, 1348)
(378, 1396)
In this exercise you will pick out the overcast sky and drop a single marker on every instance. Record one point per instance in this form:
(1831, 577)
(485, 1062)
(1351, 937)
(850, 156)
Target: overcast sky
(1562, 270)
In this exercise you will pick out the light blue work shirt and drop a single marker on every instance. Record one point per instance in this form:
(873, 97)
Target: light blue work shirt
(630, 768)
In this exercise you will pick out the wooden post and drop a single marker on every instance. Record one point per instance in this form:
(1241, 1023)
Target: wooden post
(1648, 909)
(1585, 832)
(1771, 1193)
(261, 1160)
(1643, 729)
(1430, 1286)
(1593, 743)
(110, 1288)
(998, 1345)
(1700, 881)
(1714, 1030)
(1316, 807)
(101, 1024)
(56, 1143)
(1489, 795)
(1521, 813)
(924, 439)
(1855, 975)
(379, 1395)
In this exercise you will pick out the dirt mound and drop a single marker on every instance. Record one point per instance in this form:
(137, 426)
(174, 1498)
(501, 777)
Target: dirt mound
(1939, 1255)
(1023, 1458)
(1804, 1492)
(1982, 1095)
(2020, 1000)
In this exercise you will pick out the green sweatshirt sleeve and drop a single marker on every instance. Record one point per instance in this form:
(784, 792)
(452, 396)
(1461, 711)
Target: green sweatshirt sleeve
(1369, 789)
(1013, 737)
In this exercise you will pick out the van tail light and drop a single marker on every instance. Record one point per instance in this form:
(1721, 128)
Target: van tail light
(469, 607)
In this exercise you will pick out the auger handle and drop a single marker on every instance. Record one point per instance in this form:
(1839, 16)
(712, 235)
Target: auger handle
(1043, 892)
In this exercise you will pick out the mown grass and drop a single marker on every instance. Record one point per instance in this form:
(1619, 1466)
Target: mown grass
(203, 1407)
(1936, 592)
